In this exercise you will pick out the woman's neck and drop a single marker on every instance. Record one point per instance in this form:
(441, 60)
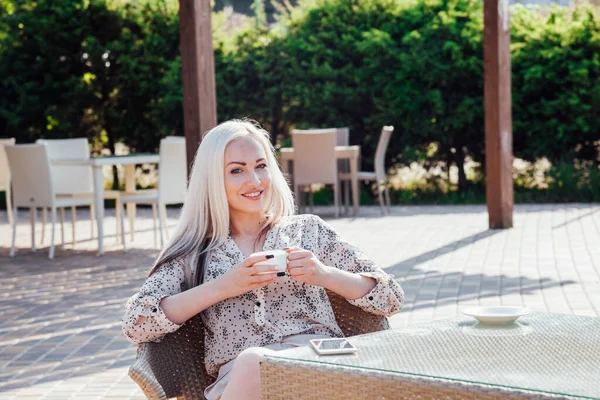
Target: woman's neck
(247, 225)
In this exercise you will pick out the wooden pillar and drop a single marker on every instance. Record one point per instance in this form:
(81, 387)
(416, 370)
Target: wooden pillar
(198, 72)
(498, 118)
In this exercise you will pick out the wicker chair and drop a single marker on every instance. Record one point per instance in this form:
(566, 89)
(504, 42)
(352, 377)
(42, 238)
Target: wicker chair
(175, 366)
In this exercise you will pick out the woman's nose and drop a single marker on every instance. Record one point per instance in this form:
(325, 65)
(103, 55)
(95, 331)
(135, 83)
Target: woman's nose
(253, 179)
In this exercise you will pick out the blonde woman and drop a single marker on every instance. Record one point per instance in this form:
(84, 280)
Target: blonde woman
(239, 203)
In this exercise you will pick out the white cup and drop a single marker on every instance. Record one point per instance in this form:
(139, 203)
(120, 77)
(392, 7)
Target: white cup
(279, 260)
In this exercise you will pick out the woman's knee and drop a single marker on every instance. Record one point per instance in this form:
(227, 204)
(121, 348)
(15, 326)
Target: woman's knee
(250, 358)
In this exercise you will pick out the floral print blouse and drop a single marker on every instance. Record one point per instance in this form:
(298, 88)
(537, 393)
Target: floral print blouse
(265, 315)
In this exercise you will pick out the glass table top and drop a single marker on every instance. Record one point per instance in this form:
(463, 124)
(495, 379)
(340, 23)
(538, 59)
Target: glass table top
(552, 353)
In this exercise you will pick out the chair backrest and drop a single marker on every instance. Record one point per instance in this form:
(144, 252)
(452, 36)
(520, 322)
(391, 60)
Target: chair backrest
(382, 145)
(343, 139)
(174, 138)
(314, 156)
(4, 170)
(30, 175)
(343, 136)
(172, 171)
(76, 179)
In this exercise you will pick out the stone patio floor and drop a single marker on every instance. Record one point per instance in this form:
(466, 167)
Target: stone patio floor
(60, 335)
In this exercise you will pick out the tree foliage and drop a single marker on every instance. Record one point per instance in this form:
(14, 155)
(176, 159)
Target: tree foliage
(556, 84)
(110, 71)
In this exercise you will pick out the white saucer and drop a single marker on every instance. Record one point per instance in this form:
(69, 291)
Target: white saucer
(496, 314)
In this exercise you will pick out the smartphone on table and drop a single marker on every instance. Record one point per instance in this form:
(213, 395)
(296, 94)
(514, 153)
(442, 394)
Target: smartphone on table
(333, 346)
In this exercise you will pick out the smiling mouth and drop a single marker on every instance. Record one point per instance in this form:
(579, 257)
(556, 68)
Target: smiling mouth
(253, 195)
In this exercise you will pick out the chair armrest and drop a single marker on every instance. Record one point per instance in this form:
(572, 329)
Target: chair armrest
(173, 367)
(142, 374)
(354, 320)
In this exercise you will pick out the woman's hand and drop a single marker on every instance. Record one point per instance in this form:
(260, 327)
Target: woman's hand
(243, 277)
(303, 266)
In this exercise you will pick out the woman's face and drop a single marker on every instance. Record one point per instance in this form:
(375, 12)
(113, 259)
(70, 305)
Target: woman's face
(247, 176)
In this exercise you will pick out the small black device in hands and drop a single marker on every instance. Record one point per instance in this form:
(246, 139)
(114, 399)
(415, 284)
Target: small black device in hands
(333, 346)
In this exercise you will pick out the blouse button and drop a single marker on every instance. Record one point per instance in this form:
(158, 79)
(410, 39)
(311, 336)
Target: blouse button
(154, 309)
(370, 297)
(257, 304)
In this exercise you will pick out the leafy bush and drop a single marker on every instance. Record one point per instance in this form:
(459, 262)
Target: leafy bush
(556, 84)
(85, 68)
(110, 70)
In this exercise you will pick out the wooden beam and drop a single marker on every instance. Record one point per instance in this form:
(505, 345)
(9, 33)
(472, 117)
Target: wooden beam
(498, 118)
(198, 72)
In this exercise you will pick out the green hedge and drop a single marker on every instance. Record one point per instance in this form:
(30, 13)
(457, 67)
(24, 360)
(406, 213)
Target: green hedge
(556, 84)
(111, 71)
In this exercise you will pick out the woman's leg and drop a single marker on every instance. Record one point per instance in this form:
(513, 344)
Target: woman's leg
(244, 379)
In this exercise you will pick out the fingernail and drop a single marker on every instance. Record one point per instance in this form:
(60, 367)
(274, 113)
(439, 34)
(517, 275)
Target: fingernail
(269, 256)
(282, 273)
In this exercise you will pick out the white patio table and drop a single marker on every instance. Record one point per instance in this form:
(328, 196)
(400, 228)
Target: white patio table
(541, 356)
(128, 162)
(351, 153)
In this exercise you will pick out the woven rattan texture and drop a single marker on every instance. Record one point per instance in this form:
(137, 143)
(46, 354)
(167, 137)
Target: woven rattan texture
(175, 367)
(284, 379)
(353, 320)
(551, 353)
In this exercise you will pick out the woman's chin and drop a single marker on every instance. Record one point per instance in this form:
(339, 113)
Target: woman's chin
(251, 207)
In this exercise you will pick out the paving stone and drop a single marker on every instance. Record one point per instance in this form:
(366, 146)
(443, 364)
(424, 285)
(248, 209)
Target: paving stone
(60, 335)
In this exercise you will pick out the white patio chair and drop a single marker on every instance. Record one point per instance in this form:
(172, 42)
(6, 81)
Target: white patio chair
(33, 187)
(5, 177)
(379, 176)
(171, 188)
(74, 180)
(343, 139)
(315, 162)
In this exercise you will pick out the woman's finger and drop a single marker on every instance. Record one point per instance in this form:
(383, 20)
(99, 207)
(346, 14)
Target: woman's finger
(300, 277)
(299, 271)
(262, 278)
(293, 248)
(294, 255)
(261, 269)
(301, 262)
(250, 261)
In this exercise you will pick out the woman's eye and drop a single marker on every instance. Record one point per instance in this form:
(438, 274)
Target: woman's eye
(261, 166)
(236, 171)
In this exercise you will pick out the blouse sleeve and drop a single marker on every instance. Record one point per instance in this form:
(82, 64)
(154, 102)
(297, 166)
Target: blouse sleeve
(386, 298)
(165, 282)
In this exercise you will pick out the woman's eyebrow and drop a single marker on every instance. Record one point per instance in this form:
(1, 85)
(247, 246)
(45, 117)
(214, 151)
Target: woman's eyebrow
(243, 163)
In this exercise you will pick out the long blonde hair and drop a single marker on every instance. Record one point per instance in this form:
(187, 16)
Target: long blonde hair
(203, 223)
